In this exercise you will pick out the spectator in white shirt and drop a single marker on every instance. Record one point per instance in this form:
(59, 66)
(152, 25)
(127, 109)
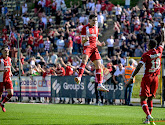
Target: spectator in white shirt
(98, 7)
(92, 6)
(24, 8)
(25, 20)
(119, 72)
(110, 44)
(100, 20)
(148, 27)
(60, 44)
(44, 20)
(151, 4)
(47, 44)
(42, 2)
(118, 11)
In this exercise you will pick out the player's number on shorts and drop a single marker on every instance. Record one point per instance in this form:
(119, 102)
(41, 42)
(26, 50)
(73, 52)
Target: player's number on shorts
(155, 64)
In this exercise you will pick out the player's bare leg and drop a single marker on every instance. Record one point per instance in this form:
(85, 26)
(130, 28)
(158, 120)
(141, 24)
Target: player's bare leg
(7, 98)
(81, 69)
(99, 77)
(146, 109)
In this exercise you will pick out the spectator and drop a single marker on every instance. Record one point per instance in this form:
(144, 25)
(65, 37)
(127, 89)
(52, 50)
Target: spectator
(138, 51)
(109, 8)
(26, 19)
(24, 8)
(18, 7)
(151, 4)
(70, 45)
(100, 21)
(41, 25)
(60, 71)
(119, 72)
(60, 44)
(127, 4)
(47, 44)
(118, 11)
(47, 58)
(41, 43)
(98, 7)
(110, 43)
(47, 7)
(103, 6)
(148, 26)
(29, 51)
(128, 73)
(69, 68)
(44, 20)
(54, 58)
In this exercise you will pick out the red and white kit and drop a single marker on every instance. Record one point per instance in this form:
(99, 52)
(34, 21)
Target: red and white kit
(90, 47)
(152, 61)
(5, 77)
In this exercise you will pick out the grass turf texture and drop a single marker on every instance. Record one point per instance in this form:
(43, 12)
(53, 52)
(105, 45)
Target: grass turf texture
(35, 114)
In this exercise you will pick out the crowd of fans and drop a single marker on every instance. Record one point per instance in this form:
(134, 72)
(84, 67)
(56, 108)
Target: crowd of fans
(50, 40)
(53, 31)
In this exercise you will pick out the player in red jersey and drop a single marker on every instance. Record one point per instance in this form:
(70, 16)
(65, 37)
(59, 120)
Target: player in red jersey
(5, 76)
(149, 84)
(90, 41)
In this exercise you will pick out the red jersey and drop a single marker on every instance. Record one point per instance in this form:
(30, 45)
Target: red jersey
(30, 40)
(91, 32)
(36, 44)
(5, 64)
(48, 3)
(48, 73)
(69, 71)
(41, 40)
(13, 40)
(152, 61)
(36, 33)
(109, 7)
(60, 72)
(103, 6)
(4, 31)
(5, 38)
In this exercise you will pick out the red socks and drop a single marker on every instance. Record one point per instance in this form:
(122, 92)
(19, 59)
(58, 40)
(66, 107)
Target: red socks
(145, 107)
(99, 76)
(81, 70)
(150, 105)
(7, 98)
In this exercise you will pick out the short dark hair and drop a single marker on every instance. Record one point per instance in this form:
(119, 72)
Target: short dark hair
(152, 43)
(3, 47)
(92, 16)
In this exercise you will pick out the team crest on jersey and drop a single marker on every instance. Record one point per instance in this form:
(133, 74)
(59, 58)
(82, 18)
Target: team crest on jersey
(84, 51)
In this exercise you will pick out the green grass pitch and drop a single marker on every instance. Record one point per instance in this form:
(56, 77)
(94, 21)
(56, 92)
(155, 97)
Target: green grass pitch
(51, 114)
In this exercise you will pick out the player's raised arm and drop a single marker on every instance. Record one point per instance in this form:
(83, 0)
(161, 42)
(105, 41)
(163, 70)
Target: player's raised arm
(134, 73)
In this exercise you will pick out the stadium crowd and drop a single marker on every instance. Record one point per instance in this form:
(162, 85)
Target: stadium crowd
(50, 40)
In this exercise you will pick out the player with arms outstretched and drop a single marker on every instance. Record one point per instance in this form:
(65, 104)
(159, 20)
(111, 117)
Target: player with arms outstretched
(5, 76)
(90, 41)
(149, 85)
